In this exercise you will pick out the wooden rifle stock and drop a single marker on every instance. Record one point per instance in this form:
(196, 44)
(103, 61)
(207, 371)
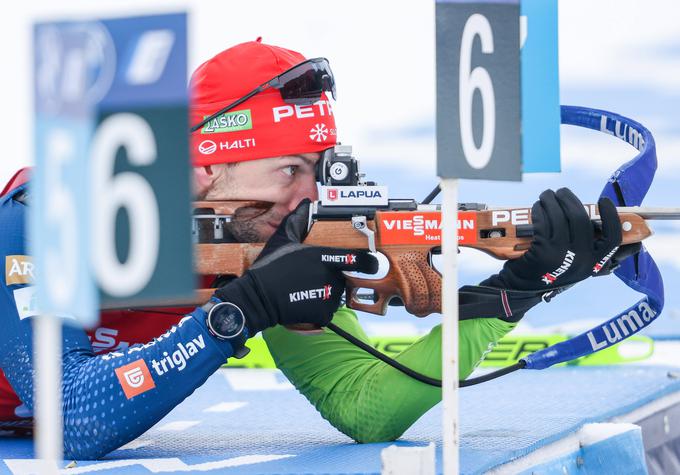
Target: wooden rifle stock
(501, 233)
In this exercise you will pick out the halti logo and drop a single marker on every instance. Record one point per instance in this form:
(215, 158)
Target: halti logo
(550, 277)
(344, 259)
(135, 378)
(312, 294)
(207, 147)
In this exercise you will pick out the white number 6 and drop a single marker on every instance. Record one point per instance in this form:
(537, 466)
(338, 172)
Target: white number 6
(478, 78)
(127, 190)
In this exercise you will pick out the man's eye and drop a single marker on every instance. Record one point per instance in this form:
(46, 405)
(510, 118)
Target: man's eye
(290, 170)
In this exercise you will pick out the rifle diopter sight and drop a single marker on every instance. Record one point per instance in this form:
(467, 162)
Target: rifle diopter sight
(337, 167)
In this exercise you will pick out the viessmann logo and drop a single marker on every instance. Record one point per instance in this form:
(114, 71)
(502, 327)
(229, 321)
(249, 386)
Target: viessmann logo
(423, 228)
(135, 378)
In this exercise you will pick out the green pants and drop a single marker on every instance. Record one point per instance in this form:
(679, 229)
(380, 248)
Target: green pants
(360, 395)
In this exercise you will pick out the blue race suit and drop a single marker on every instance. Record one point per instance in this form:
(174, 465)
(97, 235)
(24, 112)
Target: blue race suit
(108, 399)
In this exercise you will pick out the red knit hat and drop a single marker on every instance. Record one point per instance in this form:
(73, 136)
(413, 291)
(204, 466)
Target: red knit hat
(264, 125)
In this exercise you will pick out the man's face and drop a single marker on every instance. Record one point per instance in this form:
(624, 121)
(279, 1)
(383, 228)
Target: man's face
(284, 181)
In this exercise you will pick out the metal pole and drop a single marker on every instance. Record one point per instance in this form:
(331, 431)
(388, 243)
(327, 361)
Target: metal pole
(47, 349)
(647, 212)
(449, 188)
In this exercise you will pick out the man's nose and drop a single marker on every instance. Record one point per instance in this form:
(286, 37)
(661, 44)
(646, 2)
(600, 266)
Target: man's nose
(306, 188)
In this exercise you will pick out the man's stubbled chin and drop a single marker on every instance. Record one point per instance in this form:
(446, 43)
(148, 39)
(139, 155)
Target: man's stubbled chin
(256, 229)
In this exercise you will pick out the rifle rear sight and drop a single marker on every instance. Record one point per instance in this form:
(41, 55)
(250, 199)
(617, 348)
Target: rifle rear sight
(337, 167)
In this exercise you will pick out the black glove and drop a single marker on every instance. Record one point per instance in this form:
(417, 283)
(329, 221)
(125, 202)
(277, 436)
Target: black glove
(292, 283)
(565, 249)
(617, 259)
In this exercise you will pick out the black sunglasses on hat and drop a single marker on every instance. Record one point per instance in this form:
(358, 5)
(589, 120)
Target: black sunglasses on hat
(302, 84)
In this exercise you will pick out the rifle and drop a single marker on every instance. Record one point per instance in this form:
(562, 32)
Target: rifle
(407, 234)
(359, 216)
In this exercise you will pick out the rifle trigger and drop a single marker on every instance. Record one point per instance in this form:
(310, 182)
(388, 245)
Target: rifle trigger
(359, 223)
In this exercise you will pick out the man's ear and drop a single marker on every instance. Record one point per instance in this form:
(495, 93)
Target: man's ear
(203, 179)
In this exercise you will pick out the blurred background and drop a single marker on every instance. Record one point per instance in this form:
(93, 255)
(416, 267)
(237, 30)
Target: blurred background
(618, 55)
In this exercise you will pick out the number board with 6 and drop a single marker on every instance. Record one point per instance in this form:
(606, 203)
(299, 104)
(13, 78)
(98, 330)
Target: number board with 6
(111, 199)
(478, 90)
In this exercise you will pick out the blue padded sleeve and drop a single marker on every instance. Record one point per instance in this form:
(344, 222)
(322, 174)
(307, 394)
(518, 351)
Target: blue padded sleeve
(108, 399)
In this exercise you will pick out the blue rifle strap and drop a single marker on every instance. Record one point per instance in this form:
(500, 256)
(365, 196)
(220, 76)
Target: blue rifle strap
(626, 187)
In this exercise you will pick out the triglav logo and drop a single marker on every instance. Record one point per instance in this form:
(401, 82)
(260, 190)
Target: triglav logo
(178, 359)
(135, 378)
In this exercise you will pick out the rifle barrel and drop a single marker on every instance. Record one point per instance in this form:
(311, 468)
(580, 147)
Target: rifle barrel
(651, 213)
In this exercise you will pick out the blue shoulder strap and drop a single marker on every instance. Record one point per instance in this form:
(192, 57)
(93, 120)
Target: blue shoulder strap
(627, 186)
